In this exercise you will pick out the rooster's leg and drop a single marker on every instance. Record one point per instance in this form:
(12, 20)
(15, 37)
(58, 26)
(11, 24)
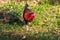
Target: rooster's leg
(26, 22)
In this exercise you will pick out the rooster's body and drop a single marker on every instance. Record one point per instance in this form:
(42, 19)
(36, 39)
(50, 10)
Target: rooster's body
(28, 15)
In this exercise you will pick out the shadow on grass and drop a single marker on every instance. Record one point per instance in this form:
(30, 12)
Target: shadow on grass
(17, 21)
(11, 18)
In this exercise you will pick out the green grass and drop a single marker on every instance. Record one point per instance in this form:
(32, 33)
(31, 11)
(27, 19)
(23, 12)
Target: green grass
(44, 27)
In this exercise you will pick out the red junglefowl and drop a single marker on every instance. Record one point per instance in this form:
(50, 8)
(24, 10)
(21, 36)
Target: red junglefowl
(28, 15)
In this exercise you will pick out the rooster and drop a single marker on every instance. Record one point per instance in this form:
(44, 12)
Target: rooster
(28, 15)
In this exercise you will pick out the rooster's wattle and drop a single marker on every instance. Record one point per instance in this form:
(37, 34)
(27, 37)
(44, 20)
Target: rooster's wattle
(28, 15)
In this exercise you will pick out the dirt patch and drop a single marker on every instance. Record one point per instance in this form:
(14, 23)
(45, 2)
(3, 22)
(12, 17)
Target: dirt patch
(4, 1)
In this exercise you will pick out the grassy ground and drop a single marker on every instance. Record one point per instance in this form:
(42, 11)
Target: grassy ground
(46, 25)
